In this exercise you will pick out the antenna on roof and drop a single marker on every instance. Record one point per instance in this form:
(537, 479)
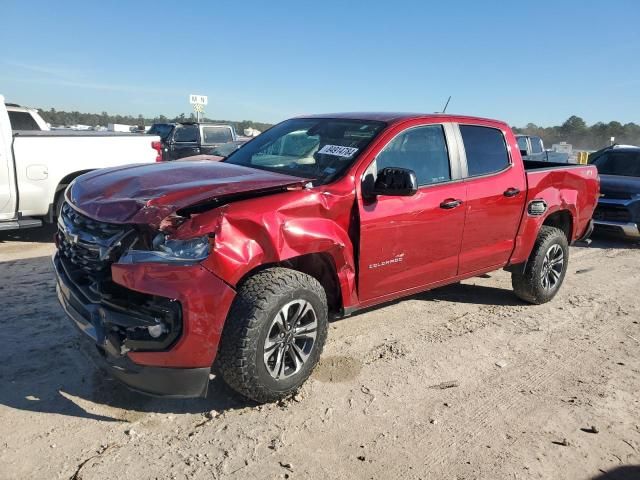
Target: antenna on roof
(446, 104)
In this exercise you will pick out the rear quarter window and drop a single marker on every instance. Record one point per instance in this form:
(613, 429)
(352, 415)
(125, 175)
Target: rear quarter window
(485, 148)
(22, 121)
(216, 135)
(536, 145)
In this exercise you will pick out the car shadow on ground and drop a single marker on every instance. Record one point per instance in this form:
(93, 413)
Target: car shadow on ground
(627, 472)
(42, 234)
(467, 293)
(608, 241)
(45, 368)
(458, 293)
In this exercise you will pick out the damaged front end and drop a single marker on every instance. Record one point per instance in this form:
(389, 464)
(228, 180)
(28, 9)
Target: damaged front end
(124, 320)
(117, 319)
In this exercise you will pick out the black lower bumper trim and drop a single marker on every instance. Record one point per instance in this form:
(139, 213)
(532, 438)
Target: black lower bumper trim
(159, 381)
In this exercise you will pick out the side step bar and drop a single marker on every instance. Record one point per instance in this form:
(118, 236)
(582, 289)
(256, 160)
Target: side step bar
(23, 223)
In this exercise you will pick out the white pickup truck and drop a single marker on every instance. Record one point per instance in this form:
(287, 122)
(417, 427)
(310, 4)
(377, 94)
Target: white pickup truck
(36, 164)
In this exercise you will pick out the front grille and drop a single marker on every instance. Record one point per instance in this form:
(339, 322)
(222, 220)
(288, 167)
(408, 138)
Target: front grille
(88, 246)
(612, 214)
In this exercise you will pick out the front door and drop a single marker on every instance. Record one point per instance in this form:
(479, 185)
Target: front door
(409, 242)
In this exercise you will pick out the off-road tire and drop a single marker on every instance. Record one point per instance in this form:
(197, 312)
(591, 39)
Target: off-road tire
(528, 285)
(258, 301)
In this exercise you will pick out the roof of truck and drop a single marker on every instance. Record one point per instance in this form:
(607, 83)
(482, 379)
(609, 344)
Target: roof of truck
(396, 117)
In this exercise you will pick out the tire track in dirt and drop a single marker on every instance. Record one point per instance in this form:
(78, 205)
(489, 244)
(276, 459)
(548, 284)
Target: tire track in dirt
(501, 396)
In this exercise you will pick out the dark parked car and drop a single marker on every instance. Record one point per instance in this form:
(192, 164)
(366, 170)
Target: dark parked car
(187, 139)
(618, 208)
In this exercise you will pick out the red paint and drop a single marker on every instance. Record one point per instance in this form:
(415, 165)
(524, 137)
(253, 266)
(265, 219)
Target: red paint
(492, 219)
(381, 249)
(148, 193)
(205, 301)
(157, 146)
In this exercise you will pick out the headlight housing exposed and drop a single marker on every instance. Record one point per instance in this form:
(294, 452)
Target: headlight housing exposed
(185, 252)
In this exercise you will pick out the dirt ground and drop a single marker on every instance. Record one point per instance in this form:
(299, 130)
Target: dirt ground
(526, 386)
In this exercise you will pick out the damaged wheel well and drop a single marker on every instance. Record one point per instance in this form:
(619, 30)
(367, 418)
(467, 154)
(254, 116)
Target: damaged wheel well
(318, 265)
(561, 220)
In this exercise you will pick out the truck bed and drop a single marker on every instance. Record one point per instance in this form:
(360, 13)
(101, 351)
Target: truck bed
(540, 165)
(72, 133)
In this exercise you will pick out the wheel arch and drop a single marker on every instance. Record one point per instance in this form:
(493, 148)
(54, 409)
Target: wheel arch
(561, 217)
(320, 266)
(59, 190)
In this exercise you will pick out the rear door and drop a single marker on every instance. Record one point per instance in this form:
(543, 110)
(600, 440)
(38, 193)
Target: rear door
(496, 193)
(185, 141)
(409, 242)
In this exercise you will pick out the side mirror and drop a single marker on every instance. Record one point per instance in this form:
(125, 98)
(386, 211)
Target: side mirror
(391, 181)
(523, 153)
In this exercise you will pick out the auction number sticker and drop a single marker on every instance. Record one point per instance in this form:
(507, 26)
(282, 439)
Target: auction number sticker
(338, 150)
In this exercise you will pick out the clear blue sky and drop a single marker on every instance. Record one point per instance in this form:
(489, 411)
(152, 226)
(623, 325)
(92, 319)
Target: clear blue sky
(267, 60)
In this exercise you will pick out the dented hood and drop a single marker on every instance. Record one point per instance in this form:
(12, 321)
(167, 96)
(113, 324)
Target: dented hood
(148, 193)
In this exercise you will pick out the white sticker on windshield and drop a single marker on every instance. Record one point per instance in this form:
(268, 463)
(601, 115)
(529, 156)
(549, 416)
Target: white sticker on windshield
(338, 150)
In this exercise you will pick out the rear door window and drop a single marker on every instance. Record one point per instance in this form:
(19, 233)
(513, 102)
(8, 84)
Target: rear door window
(22, 121)
(186, 134)
(485, 148)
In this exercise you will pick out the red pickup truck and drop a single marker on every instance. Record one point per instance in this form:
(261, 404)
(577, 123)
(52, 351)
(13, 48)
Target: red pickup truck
(176, 269)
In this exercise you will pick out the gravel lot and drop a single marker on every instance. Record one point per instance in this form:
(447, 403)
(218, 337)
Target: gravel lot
(526, 386)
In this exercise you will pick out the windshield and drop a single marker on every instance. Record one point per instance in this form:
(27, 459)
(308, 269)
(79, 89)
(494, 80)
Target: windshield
(161, 129)
(320, 149)
(619, 163)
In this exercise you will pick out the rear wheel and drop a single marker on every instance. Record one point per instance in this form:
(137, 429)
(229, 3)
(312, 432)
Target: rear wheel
(546, 267)
(274, 334)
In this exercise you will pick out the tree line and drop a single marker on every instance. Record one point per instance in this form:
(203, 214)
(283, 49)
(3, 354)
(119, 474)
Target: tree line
(582, 136)
(574, 130)
(63, 118)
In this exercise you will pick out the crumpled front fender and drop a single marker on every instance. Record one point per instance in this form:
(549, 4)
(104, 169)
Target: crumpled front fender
(262, 231)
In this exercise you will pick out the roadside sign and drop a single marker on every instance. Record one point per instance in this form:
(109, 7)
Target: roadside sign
(198, 99)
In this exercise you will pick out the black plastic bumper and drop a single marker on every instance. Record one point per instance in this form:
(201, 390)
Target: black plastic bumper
(161, 381)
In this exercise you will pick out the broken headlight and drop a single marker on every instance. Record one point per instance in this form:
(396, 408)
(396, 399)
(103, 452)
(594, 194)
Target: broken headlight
(167, 250)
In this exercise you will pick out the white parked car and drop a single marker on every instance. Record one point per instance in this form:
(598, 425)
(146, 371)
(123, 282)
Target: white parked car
(37, 164)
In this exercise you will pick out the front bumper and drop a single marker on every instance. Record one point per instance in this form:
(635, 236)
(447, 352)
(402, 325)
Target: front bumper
(618, 215)
(183, 369)
(628, 229)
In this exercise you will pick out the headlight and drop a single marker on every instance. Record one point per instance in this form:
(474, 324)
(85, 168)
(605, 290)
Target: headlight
(186, 252)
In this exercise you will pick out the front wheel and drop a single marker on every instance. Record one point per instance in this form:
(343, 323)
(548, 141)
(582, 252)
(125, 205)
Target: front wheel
(274, 334)
(546, 267)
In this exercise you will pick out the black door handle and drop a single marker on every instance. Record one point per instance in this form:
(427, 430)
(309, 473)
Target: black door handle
(511, 192)
(450, 203)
